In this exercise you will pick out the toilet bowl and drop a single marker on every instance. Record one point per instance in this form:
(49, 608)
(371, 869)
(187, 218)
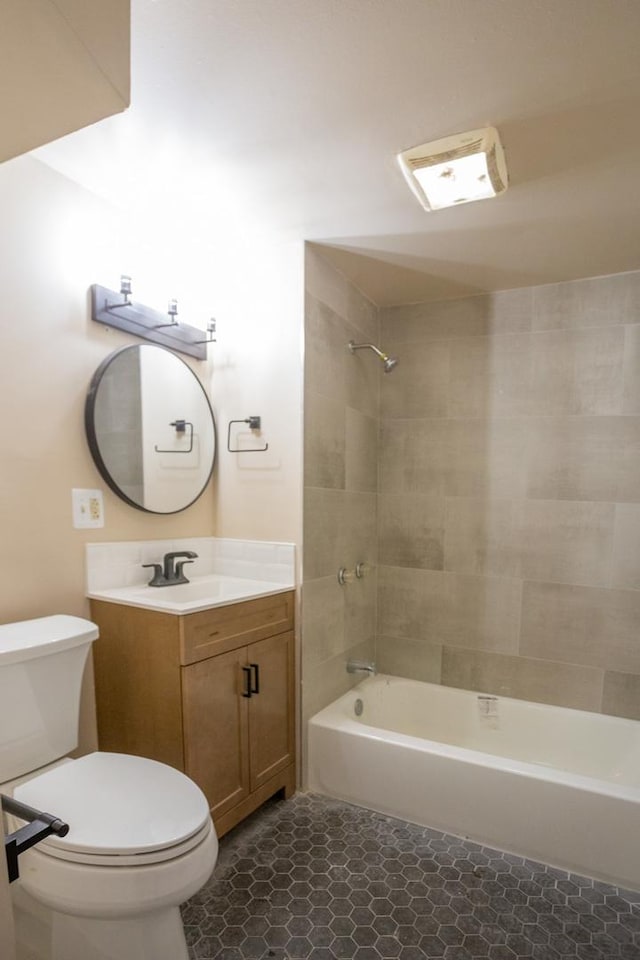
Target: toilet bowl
(141, 840)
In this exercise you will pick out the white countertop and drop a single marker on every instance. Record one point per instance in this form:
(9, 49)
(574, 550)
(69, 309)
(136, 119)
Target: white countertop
(201, 593)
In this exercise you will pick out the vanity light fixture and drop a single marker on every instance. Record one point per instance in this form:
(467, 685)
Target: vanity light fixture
(172, 313)
(211, 329)
(123, 313)
(125, 290)
(454, 170)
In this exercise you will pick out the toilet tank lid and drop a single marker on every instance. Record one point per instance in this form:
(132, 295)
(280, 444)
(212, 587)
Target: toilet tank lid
(43, 636)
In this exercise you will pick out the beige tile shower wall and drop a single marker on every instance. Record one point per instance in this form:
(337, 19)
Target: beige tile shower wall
(509, 499)
(341, 406)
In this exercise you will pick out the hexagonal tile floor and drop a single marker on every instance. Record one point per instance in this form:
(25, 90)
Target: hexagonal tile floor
(320, 879)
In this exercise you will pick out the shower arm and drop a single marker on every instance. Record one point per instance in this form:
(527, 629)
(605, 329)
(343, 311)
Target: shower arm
(388, 362)
(353, 346)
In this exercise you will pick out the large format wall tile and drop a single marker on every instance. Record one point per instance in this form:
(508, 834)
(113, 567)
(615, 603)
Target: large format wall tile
(485, 458)
(413, 457)
(339, 531)
(584, 458)
(583, 625)
(361, 451)
(322, 620)
(541, 681)
(414, 659)
(411, 531)
(323, 532)
(565, 541)
(449, 608)
(359, 598)
(324, 449)
(480, 537)
(490, 376)
(546, 373)
(324, 353)
(626, 546)
(531, 539)
(507, 311)
(621, 695)
(418, 385)
(340, 470)
(325, 682)
(363, 315)
(594, 302)
(456, 458)
(577, 372)
(631, 394)
(362, 376)
(360, 543)
(508, 489)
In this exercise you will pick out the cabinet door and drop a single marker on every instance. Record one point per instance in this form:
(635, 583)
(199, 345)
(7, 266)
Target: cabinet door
(216, 729)
(271, 711)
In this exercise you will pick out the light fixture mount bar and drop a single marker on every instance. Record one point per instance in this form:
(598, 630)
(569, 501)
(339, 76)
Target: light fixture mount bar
(144, 322)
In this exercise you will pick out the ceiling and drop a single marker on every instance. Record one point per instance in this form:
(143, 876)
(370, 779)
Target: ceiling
(285, 117)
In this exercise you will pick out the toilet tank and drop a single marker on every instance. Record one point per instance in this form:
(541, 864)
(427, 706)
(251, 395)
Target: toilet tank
(41, 667)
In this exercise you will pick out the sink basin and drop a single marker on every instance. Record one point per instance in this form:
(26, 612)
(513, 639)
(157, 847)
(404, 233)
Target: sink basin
(200, 593)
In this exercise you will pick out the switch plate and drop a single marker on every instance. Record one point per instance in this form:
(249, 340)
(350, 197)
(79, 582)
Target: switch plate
(88, 508)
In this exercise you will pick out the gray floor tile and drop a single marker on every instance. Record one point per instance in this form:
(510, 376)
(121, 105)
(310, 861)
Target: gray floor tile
(319, 879)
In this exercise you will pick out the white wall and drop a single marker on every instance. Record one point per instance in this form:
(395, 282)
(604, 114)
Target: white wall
(257, 370)
(64, 64)
(56, 239)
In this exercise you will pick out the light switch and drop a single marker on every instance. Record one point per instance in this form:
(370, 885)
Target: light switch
(88, 508)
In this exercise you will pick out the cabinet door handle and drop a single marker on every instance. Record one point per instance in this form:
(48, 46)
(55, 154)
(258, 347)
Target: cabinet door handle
(247, 676)
(255, 677)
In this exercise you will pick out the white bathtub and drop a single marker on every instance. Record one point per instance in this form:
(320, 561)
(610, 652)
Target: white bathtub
(552, 784)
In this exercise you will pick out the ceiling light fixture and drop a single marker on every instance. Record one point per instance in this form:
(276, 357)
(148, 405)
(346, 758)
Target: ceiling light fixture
(459, 169)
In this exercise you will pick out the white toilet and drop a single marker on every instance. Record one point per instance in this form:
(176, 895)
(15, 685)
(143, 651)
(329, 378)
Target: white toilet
(141, 840)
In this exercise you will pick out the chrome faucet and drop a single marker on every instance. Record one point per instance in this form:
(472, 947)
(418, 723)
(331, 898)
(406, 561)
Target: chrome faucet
(361, 666)
(167, 574)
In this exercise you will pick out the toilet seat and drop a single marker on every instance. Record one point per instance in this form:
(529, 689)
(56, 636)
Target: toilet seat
(121, 810)
(126, 860)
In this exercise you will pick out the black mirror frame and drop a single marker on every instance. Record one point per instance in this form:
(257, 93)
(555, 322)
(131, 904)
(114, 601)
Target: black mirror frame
(89, 425)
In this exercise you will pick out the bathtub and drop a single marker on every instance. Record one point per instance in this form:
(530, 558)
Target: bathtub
(548, 783)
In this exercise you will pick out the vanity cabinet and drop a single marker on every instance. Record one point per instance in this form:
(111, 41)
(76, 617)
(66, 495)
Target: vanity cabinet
(210, 693)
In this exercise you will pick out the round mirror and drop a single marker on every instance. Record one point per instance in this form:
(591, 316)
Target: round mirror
(150, 428)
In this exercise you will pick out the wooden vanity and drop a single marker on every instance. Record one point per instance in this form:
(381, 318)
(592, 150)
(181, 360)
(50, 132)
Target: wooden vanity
(211, 693)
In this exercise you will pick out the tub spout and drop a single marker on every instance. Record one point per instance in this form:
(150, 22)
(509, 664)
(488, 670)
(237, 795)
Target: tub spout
(361, 666)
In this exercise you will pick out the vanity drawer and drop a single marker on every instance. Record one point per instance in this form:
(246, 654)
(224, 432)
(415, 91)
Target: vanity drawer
(210, 632)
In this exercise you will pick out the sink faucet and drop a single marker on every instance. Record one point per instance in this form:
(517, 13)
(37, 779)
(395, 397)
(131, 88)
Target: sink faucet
(166, 574)
(361, 666)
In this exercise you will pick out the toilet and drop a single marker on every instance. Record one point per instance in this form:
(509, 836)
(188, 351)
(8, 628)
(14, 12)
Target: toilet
(140, 841)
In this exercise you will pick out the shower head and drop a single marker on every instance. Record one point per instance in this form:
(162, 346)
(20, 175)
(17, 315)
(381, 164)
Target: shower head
(388, 362)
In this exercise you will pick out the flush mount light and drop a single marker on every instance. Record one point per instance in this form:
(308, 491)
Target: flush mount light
(468, 166)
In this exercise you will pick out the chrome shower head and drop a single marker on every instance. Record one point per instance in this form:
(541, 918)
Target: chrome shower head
(388, 362)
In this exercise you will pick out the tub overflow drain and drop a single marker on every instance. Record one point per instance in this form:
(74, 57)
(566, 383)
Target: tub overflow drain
(358, 707)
